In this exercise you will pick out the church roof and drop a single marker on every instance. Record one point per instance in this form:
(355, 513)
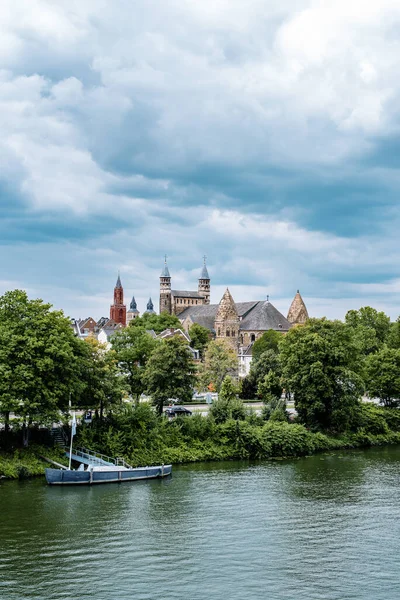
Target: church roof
(118, 284)
(150, 306)
(227, 308)
(255, 316)
(133, 305)
(297, 311)
(204, 273)
(205, 314)
(165, 271)
(263, 317)
(185, 294)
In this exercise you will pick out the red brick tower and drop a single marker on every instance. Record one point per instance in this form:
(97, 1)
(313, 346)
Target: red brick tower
(118, 309)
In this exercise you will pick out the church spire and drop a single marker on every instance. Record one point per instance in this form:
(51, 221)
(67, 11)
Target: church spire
(165, 289)
(150, 306)
(298, 313)
(204, 283)
(118, 308)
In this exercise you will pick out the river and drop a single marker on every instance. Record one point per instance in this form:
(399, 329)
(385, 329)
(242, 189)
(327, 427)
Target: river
(325, 527)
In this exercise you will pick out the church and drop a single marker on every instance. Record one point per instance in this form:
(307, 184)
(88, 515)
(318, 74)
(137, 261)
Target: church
(239, 323)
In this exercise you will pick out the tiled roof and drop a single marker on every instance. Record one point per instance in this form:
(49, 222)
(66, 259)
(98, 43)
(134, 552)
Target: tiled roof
(185, 294)
(264, 316)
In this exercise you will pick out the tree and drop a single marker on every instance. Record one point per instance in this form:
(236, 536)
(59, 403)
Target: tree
(157, 323)
(270, 386)
(393, 340)
(104, 387)
(228, 405)
(383, 376)
(370, 327)
(266, 362)
(132, 348)
(200, 337)
(170, 373)
(269, 340)
(319, 361)
(220, 360)
(38, 360)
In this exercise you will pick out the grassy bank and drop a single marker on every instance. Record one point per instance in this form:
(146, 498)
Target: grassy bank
(25, 463)
(142, 438)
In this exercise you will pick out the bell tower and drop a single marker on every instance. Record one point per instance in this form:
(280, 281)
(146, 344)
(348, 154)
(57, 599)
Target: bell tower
(165, 289)
(118, 309)
(204, 283)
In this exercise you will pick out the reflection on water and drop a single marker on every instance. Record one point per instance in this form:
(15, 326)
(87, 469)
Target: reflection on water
(321, 527)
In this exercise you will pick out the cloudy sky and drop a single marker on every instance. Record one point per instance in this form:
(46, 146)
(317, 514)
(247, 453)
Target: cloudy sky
(264, 134)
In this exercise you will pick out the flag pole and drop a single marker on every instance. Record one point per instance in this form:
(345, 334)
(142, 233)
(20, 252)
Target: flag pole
(73, 431)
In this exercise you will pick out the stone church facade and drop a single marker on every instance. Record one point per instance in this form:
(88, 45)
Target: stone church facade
(239, 323)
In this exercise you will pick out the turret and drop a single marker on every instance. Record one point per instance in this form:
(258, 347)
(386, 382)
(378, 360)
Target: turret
(165, 289)
(204, 283)
(133, 312)
(150, 307)
(227, 320)
(298, 313)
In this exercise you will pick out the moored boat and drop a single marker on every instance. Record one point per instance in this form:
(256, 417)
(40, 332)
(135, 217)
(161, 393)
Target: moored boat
(105, 474)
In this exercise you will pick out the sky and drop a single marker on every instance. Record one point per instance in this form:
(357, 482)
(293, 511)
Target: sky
(262, 134)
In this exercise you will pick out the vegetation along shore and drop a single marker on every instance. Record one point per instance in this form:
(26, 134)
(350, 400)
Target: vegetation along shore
(324, 366)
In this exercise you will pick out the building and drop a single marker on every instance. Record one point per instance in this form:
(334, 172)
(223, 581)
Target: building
(133, 312)
(175, 302)
(118, 309)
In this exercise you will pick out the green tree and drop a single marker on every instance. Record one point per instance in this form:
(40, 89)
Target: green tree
(383, 376)
(220, 360)
(269, 340)
(157, 323)
(270, 386)
(393, 340)
(319, 361)
(370, 328)
(104, 387)
(38, 359)
(132, 348)
(200, 337)
(228, 405)
(265, 362)
(170, 373)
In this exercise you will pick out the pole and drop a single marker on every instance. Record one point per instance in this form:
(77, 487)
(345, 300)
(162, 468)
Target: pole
(70, 452)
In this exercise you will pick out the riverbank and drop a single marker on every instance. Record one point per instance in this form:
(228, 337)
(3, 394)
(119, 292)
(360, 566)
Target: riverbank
(25, 463)
(142, 438)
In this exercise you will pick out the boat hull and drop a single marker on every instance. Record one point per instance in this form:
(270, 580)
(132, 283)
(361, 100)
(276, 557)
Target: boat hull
(67, 477)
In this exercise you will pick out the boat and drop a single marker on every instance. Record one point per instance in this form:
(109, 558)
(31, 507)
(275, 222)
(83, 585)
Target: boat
(105, 474)
(100, 469)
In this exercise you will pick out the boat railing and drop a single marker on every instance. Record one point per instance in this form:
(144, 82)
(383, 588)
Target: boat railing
(97, 458)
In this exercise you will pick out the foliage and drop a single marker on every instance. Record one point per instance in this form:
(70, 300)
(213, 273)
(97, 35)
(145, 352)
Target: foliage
(393, 339)
(132, 348)
(220, 360)
(222, 410)
(269, 340)
(266, 362)
(229, 390)
(24, 463)
(383, 376)
(170, 372)
(370, 328)
(318, 360)
(200, 337)
(157, 323)
(270, 386)
(247, 388)
(104, 388)
(38, 359)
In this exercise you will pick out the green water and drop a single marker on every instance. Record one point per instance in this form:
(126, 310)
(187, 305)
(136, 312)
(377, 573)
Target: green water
(325, 527)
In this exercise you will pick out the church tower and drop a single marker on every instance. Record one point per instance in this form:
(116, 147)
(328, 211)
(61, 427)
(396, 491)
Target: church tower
(298, 313)
(118, 309)
(133, 312)
(165, 290)
(204, 283)
(227, 320)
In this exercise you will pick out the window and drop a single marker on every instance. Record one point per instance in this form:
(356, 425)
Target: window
(219, 332)
(228, 333)
(241, 338)
(252, 337)
(233, 333)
